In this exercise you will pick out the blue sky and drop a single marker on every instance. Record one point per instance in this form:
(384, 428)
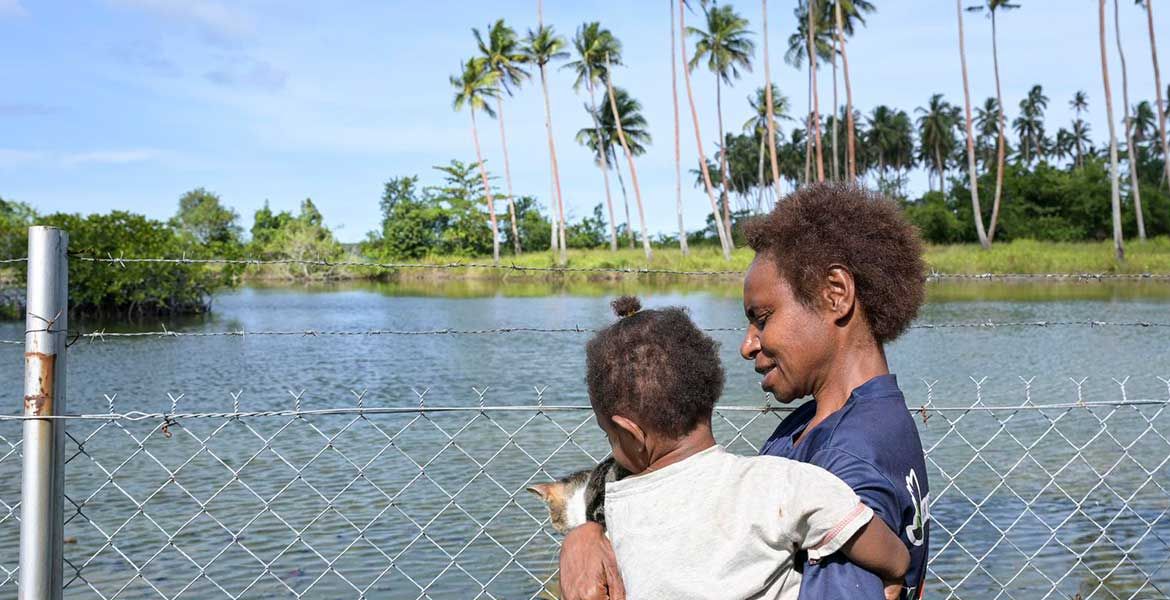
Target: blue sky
(126, 104)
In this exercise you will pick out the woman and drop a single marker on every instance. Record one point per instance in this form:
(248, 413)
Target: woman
(838, 273)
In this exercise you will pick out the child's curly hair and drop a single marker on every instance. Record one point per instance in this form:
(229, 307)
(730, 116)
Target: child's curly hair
(655, 367)
(821, 225)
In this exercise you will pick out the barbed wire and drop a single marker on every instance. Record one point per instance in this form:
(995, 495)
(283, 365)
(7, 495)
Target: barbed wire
(103, 335)
(172, 417)
(123, 261)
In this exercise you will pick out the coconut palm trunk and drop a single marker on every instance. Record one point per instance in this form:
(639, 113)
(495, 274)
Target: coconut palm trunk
(553, 245)
(850, 143)
(833, 138)
(1002, 141)
(723, 166)
(487, 191)
(508, 177)
(972, 178)
(603, 162)
(617, 119)
(812, 78)
(760, 170)
(617, 168)
(771, 117)
(562, 255)
(1136, 189)
(724, 235)
(1118, 248)
(682, 230)
(1161, 107)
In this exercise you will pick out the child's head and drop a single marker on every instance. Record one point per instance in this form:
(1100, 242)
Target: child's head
(653, 377)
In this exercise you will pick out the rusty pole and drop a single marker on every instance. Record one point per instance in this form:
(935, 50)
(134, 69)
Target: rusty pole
(42, 490)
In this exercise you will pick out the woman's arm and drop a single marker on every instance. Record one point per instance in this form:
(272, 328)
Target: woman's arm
(588, 566)
(876, 549)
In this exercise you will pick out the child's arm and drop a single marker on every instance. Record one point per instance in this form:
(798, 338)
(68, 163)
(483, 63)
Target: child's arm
(876, 549)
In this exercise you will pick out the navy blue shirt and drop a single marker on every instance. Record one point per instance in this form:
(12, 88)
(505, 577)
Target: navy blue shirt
(872, 444)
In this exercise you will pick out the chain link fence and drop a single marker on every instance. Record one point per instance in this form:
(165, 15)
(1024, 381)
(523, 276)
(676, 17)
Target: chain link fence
(333, 496)
(1028, 500)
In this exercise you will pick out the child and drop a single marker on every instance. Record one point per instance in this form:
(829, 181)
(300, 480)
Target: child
(692, 520)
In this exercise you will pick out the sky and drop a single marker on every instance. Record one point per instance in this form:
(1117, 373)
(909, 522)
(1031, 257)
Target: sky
(126, 104)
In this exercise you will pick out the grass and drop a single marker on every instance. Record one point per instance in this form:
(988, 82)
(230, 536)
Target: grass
(1027, 256)
(1022, 256)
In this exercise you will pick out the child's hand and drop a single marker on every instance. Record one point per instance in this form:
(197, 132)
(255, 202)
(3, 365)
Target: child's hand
(893, 589)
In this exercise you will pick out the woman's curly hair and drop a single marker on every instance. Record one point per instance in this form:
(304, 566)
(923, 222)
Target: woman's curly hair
(655, 367)
(837, 224)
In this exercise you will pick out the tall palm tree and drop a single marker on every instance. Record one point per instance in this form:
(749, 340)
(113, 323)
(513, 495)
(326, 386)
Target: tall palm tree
(1080, 132)
(726, 47)
(1065, 146)
(798, 51)
(633, 125)
(846, 12)
(1118, 248)
(987, 125)
(1030, 124)
(617, 118)
(1082, 139)
(724, 233)
(1143, 122)
(972, 178)
(992, 7)
(812, 29)
(936, 127)
(474, 85)
(542, 47)
(1131, 148)
(891, 139)
(593, 43)
(769, 105)
(1162, 107)
(503, 54)
(682, 230)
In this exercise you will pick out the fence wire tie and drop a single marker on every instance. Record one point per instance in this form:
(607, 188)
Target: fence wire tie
(48, 323)
(1080, 389)
(361, 397)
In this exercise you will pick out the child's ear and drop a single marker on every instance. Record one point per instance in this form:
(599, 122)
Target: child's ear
(630, 428)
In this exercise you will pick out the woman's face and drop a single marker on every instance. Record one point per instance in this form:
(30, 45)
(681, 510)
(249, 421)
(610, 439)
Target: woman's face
(791, 344)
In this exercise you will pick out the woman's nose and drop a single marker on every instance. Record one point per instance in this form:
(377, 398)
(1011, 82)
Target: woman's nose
(750, 346)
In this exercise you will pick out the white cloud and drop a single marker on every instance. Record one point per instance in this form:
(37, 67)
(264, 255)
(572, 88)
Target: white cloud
(248, 73)
(12, 8)
(109, 157)
(218, 22)
(10, 157)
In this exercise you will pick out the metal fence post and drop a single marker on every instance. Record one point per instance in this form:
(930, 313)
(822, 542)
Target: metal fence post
(42, 491)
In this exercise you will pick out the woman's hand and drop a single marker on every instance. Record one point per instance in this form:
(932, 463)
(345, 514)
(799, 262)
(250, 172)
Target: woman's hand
(893, 589)
(589, 568)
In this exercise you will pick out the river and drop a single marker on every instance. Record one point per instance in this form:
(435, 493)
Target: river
(348, 492)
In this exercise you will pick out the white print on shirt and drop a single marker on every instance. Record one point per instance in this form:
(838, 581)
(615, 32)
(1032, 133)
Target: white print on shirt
(915, 531)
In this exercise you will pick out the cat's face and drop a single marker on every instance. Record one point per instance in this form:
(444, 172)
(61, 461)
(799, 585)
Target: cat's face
(565, 499)
(580, 497)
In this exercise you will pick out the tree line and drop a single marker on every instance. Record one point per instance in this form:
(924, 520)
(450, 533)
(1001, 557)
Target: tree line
(202, 227)
(880, 148)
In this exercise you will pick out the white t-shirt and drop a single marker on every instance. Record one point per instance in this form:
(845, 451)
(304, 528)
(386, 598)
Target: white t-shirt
(717, 525)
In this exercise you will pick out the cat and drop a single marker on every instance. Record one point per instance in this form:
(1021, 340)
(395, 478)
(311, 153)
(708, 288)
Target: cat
(580, 497)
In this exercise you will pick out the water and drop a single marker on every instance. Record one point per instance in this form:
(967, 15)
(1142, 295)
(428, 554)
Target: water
(351, 488)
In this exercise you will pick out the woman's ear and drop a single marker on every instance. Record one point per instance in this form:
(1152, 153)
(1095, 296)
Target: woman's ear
(839, 293)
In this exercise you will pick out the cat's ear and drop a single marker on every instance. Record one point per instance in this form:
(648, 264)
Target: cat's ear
(542, 489)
